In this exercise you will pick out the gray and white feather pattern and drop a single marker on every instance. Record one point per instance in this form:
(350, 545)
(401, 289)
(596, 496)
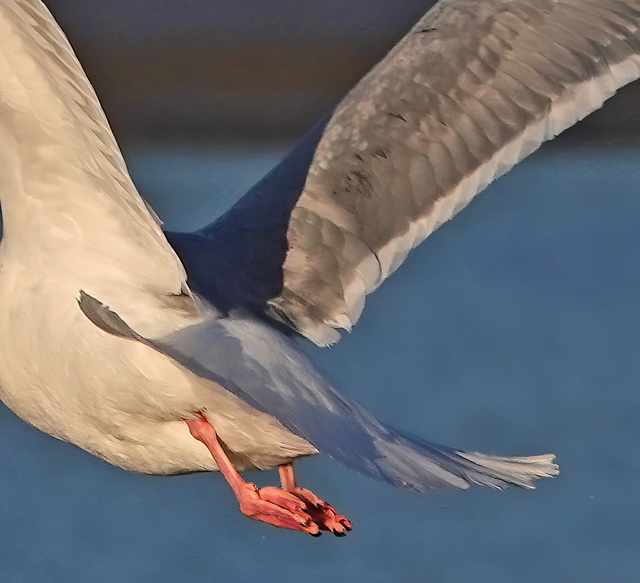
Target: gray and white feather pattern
(105, 343)
(471, 90)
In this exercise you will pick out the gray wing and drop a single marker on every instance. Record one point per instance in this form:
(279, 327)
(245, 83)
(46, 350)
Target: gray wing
(267, 371)
(475, 86)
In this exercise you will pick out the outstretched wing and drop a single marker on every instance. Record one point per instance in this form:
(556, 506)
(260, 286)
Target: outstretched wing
(42, 75)
(268, 371)
(474, 87)
(61, 166)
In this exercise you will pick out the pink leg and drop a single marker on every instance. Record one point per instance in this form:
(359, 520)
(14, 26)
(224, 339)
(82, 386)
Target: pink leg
(322, 514)
(270, 505)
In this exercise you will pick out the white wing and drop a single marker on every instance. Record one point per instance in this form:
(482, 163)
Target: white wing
(68, 202)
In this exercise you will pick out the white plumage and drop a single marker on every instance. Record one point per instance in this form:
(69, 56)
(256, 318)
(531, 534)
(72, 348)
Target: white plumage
(74, 221)
(103, 343)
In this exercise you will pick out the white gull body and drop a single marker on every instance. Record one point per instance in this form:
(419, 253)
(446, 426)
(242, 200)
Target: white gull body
(73, 220)
(104, 344)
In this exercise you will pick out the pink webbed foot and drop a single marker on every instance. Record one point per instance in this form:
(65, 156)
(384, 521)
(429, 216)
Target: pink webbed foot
(322, 513)
(277, 507)
(290, 507)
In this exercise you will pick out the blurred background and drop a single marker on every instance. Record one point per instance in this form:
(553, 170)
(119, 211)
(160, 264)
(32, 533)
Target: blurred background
(514, 329)
(247, 70)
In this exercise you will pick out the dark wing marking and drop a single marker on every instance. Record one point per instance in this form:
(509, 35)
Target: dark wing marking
(445, 113)
(473, 88)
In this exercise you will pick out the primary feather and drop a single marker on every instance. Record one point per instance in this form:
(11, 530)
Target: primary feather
(473, 88)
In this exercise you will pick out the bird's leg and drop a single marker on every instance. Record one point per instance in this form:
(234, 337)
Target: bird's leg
(271, 505)
(321, 513)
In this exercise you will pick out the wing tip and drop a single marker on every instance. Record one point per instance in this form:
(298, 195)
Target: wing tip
(412, 463)
(520, 471)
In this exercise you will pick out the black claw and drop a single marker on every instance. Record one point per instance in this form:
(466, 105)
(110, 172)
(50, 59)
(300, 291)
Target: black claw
(338, 533)
(315, 534)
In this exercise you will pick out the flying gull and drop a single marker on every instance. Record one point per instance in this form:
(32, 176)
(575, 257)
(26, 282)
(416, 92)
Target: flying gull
(169, 352)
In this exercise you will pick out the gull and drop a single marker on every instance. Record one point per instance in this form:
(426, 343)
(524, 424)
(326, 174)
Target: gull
(165, 353)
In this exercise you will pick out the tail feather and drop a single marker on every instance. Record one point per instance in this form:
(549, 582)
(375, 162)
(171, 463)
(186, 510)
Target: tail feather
(268, 372)
(419, 465)
(497, 471)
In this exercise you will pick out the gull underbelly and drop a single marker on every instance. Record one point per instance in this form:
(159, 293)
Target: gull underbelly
(119, 399)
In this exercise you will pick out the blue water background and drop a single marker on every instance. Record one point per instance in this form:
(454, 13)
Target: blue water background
(514, 329)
